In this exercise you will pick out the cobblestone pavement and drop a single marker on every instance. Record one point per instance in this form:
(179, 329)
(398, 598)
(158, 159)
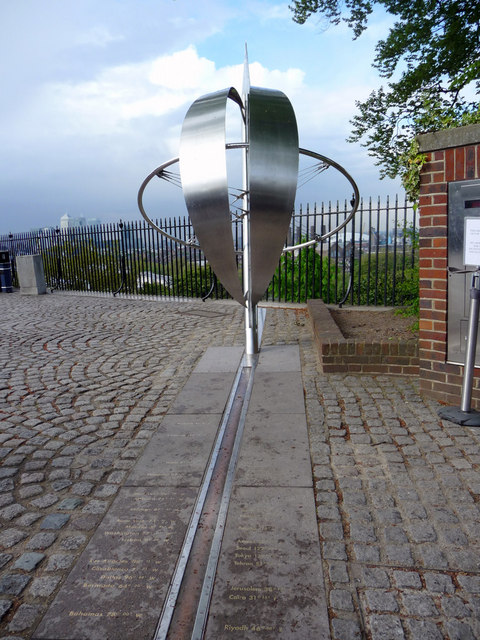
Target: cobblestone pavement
(85, 381)
(397, 492)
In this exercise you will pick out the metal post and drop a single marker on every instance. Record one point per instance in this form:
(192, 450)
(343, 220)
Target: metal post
(464, 414)
(471, 343)
(251, 330)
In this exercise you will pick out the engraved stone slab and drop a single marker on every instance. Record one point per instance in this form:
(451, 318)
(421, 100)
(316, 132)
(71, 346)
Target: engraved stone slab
(277, 392)
(204, 393)
(178, 452)
(275, 451)
(269, 582)
(217, 359)
(118, 585)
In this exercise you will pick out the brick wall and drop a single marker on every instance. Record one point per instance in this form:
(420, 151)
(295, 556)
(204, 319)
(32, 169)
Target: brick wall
(452, 155)
(339, 355)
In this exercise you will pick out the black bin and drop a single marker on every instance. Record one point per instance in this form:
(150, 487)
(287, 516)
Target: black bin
(5, 273)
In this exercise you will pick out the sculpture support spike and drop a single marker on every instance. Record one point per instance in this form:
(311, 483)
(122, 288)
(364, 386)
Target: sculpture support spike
(251, 328)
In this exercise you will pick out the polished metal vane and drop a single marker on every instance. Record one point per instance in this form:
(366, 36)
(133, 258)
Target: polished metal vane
(265, 202)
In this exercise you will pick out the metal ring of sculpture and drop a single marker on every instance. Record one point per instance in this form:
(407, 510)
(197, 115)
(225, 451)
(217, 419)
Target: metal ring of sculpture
(270, 162)
(160, 172)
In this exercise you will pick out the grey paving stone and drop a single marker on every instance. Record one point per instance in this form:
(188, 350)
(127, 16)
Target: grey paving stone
(13, 583)
(31, 478)
(85, 522)
(44, 586)
(338, 572)
(362, 532)
(439, 583)
(59, 485)
(341, 599)
(424, 629)
(69, 504)
(386, 627)
(28, 561)
(346, 629)
(334, 551)
(407, 579)
(375, 577)
(469, 583)
(454, 536)
(59, 561)
(5, 559)
(45, 501)
(432, 557)
(117, 477)
(331, 530)
(419, 604)
(24, 617)
(414, 511)
(34, 465)
(444, 515)
(459, 630)
(95, 507)
(454, 607)
(388, 516)
(30, 491)
(73, 542)
(11, 537)
(367, 553)
(328, 512)
(41, 541)
(59, 474)
(6, 499)
(54, 521)
(12, 511)
(5, 606)
(82, 488)
(8, 472)
(422, 532)
(351, 497)
(6, 485)
(106, 491)
(62, 461)
(381, 600)
(28, 519)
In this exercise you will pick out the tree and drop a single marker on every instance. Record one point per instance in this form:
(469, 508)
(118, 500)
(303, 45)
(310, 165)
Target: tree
(430, 56)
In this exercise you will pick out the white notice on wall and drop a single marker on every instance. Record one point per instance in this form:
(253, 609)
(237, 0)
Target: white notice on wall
(471, 244)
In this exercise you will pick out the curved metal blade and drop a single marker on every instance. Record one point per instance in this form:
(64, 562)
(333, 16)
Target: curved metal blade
(273, 171)
(203, 170)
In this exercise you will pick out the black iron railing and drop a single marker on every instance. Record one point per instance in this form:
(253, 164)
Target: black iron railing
(373, 260)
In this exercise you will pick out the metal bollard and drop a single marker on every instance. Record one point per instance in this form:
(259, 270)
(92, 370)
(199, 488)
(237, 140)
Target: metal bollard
(5, 273)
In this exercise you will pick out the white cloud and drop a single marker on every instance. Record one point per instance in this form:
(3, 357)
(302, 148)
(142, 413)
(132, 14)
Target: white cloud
(138, 109)
(181, 70)
(120, 95)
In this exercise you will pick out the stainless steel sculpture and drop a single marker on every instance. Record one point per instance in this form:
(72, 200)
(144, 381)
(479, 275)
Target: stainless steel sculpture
(270, 172)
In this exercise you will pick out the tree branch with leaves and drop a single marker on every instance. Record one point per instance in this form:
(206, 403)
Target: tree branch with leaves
(430, 57)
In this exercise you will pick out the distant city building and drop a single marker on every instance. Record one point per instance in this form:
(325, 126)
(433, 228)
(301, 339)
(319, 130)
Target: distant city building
(92, 222)
(69, 222)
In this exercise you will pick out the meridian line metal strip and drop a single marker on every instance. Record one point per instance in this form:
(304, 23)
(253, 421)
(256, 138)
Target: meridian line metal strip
(172, 595)
(207, 588)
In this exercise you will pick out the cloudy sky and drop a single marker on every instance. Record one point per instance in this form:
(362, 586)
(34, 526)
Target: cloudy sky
(94, 92)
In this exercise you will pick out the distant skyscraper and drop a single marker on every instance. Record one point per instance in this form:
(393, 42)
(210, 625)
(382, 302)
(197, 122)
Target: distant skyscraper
(68, 222)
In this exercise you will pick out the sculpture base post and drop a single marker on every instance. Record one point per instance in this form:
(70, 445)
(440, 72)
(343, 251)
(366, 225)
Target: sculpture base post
(251, 330)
